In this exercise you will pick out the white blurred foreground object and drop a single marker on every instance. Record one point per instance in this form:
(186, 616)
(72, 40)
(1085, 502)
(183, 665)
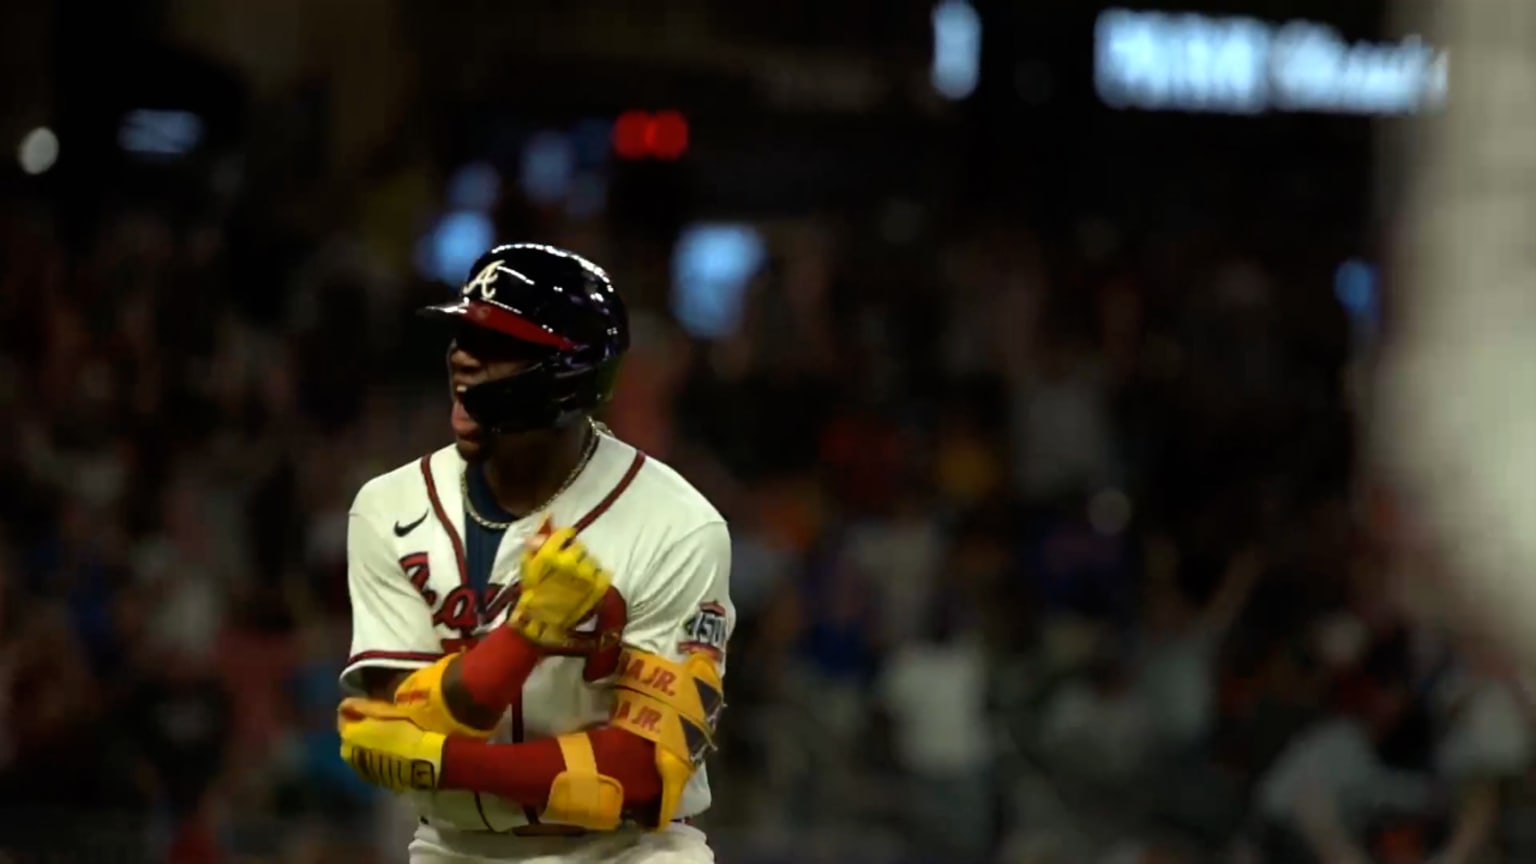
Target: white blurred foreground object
(1457, 410)
(38, 151)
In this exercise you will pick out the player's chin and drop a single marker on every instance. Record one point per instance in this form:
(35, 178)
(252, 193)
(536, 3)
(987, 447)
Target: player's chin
(470, 449)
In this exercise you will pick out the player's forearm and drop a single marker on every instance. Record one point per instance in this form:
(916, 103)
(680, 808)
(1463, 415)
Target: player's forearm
(524, 772)
(480, 684)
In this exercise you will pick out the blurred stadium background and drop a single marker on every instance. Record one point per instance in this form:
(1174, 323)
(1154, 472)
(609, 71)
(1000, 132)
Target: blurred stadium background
(1029, 347)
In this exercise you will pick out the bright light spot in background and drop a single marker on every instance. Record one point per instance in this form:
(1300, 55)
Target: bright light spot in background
(160, 133)
(640, 135)
(448, 250)
(956, 49)
(669, 135)
(711, 268)
(1159, 61)
(474, 187)
(549, 163)
(1355, 287)
(38, 151)
(1156, 60)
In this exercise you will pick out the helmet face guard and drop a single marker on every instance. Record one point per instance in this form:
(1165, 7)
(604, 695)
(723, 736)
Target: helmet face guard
(557, 310)
(547, 395)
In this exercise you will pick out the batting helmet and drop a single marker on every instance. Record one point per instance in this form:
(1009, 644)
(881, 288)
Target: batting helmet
(562, 313)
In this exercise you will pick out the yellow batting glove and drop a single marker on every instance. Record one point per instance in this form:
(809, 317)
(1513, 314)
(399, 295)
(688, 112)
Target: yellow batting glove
(561, 585)
(386, 749)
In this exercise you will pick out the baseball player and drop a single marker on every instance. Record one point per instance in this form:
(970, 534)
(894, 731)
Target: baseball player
(540, 611)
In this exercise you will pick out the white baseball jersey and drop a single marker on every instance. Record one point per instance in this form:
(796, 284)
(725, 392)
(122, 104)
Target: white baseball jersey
(667, 548)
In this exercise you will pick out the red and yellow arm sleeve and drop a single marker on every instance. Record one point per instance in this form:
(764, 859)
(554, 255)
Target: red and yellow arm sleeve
(662, 724)
(490, 675)
(525, 772)
(494, 671)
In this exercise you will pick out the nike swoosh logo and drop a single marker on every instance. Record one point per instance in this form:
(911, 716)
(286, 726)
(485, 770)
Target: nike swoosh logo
(402, 530)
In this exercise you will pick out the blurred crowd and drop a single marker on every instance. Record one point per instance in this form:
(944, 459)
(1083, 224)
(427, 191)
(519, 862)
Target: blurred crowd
(1050, 545)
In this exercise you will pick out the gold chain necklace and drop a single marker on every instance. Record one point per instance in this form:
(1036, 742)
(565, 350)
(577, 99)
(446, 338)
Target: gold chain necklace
(595, 430)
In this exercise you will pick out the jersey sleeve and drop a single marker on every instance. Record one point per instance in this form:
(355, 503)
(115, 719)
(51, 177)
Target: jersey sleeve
(687, 604)
(391, 622)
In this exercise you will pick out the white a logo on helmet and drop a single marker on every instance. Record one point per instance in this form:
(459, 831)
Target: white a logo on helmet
(484, 282)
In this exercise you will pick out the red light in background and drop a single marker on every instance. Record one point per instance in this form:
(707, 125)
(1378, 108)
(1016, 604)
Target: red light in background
(629, 134)
(640, 135)
(669, 135)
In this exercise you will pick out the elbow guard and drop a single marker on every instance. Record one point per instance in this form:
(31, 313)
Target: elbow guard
(420, 698)
(580, 795)
(674, 705)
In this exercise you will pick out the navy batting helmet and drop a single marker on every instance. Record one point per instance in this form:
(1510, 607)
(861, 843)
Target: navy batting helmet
(560, 312)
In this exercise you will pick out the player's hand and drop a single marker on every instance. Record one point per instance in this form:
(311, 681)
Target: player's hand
(386, 749)
(561, 585)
